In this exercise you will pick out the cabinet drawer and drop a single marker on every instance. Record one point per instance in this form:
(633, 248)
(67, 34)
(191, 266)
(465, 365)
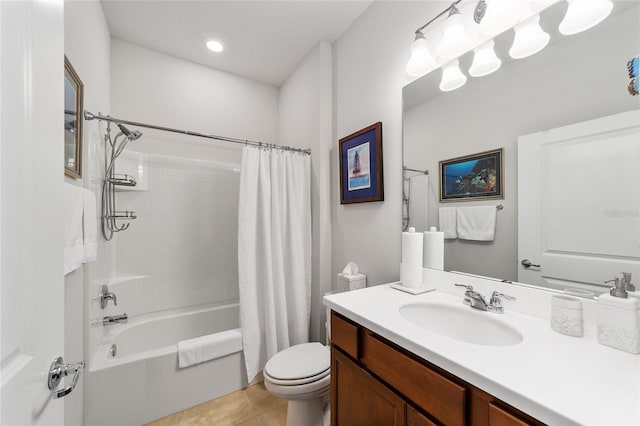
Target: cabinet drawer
(344, 334)
(500, 417)
(442, 398)
(416, 419)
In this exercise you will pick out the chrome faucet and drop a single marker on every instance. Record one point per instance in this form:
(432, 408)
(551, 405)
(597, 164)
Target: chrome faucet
(115, 319)
(477, 301)
(106, 295)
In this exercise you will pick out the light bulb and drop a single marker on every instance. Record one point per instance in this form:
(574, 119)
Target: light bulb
(215, 46)
(485, 60)
(529, 38)
(452, 77)
(584, 14)
(421, 60)
(454, 37)
(497, 18)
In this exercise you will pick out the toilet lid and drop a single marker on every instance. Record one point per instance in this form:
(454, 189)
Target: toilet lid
(299, 362)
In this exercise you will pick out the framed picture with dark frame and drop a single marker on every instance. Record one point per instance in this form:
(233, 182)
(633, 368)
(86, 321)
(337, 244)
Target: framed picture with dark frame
(361, 166)
(472, 177)
(73, 94)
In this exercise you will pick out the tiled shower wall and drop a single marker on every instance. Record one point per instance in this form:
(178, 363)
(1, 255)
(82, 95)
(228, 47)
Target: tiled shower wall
(181, 251)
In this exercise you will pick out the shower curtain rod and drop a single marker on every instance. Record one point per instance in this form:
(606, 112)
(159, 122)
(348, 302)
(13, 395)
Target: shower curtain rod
(88, 116)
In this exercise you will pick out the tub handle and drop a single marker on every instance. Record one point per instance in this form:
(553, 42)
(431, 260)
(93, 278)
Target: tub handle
(58, 370)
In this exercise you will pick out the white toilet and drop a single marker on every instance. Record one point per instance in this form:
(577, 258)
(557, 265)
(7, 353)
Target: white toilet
(300, 374)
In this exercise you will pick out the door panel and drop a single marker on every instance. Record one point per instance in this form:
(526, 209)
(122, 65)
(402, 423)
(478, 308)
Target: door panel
(31, 218)
(579, 203)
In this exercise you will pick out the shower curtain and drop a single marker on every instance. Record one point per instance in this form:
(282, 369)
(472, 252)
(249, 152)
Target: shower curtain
(274, 253)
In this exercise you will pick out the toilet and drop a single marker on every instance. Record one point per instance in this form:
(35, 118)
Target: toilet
(300, 374)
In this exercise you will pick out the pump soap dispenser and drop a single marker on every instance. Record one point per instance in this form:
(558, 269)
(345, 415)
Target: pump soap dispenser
(618, 319)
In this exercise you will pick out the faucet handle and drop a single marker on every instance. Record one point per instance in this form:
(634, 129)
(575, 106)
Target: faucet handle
(468, 287)
(495, 303)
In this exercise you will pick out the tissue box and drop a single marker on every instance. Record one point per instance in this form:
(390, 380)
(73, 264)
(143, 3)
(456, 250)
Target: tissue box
(351, 282)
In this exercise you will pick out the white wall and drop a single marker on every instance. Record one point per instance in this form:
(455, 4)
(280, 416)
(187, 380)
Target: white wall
(369, 75)
(305, 121)
(166, 242)
(87, 46)
(577, 78)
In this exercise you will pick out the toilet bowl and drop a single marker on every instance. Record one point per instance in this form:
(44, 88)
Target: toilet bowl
(301, 375)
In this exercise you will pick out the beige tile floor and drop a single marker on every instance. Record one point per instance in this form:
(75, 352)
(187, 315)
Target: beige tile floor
(253, 406)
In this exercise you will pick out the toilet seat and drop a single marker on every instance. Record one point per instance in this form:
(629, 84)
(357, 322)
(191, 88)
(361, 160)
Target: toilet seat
(298, 365)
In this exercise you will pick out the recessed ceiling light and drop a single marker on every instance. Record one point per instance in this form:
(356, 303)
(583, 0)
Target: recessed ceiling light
(215, 46)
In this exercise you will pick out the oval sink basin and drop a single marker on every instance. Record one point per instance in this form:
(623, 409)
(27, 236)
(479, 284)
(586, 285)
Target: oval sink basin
(461, 323)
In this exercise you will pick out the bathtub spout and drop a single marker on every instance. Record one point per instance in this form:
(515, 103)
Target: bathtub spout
(115, 319)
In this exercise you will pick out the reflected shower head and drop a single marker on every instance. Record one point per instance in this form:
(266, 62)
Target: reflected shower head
(132, 136)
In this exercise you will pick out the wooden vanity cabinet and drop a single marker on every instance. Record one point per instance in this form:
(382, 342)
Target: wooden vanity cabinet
(375, 382)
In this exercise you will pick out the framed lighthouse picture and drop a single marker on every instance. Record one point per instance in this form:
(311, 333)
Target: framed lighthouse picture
(361, 166)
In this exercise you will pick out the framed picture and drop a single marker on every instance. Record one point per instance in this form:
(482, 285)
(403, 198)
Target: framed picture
(472, 177)
(73, 93)
(361, 166)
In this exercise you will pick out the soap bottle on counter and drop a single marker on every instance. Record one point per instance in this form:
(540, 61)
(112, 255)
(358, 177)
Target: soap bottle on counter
(618, 317)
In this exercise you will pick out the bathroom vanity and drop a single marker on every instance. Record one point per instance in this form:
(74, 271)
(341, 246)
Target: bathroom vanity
(390, 369)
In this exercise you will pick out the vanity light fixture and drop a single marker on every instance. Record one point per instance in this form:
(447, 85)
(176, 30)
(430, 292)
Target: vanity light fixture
(485, 60)
(421, 59)
(215, 46)
(529, 38)
(452, 77)
(454, 35)
(584, 14)
(466, 28)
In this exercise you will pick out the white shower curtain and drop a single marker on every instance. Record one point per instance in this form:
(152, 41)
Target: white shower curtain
(274, 253)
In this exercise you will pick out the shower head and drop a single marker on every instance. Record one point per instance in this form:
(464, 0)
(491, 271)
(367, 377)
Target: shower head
(124, 130)
(132, 136)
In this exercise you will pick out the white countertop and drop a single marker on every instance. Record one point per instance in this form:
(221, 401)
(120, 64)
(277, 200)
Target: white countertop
(557, 379)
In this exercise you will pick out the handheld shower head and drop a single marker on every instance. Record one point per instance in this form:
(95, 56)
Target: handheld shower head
(132, 136)
(136, 134)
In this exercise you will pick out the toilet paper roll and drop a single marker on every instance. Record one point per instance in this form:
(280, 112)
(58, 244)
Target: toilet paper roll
(433, 249)
(412, 247)
(411, 275)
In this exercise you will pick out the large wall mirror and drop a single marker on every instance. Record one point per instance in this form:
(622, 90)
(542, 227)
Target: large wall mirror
(73, 94)
(574, 79)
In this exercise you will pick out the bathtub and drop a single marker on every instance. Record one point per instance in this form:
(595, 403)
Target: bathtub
(142, 382)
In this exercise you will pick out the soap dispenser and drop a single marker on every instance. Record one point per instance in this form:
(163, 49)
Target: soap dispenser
(618, 318)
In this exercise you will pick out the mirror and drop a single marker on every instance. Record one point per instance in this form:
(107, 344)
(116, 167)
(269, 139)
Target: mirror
(73, 93)
(574, 79)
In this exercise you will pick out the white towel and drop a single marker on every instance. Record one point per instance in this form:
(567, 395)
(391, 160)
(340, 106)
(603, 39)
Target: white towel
(477, 223)
(447, 222)
(73, 239)
(89, 222)
(205, 348)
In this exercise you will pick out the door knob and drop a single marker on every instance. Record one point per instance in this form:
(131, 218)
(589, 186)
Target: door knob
(58, 370)
(527, 264)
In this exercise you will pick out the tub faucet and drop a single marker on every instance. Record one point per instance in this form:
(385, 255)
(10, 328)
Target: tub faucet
(106, 295)
(115, 319)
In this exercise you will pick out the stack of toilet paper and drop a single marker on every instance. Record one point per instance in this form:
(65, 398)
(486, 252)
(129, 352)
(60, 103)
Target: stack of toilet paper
(411, 265)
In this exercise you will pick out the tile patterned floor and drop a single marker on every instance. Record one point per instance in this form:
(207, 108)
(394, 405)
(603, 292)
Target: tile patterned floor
(253, 406)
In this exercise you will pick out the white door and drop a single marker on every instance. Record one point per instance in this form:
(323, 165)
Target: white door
(31, 219)
(579, 203)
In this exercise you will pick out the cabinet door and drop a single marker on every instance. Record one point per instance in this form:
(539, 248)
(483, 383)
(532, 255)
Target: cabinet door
(414, 418)
(357, 399)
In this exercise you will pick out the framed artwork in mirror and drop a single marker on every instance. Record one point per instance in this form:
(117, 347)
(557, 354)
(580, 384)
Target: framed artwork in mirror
(361, 166)
(73, 93)
(472, 177)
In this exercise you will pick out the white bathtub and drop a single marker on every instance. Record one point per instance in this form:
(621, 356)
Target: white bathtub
(143, 382)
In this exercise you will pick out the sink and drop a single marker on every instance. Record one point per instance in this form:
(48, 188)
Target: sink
(461, 323)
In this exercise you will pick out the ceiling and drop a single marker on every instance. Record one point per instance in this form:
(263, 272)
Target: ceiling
(264, 40)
